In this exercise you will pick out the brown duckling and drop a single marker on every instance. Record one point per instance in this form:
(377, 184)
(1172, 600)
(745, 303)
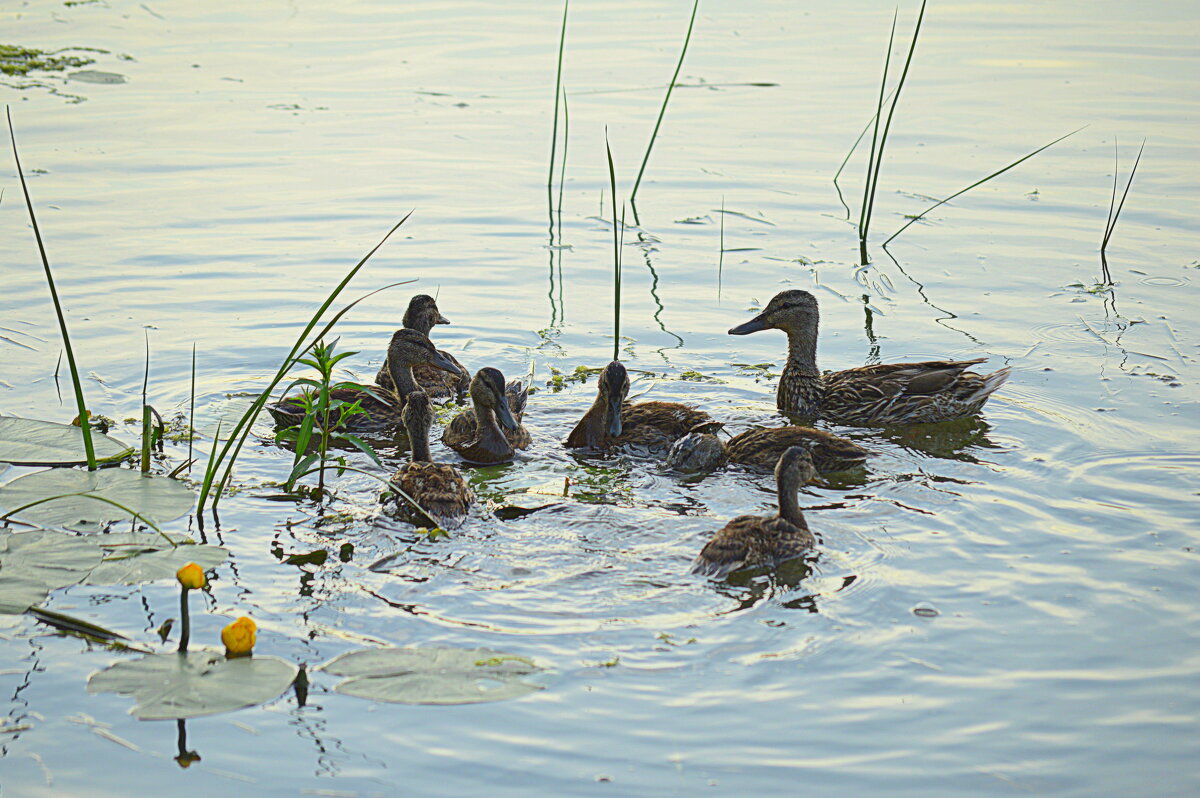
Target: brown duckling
(407, 349)
(611, 421)
(868, 396)
(476, 435)
(422, 314)
(752, 541)
(700, 451)
(438, 488)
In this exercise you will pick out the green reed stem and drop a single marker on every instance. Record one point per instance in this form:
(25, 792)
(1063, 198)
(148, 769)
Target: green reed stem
(941, 202)
(871, 171)
(84, 426)
(562, 41)
(661, 112)
(612, 181)
(1114, 214)
(192, 410)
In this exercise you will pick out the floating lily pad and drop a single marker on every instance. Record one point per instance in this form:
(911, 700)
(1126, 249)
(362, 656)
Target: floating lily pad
(159, 499)
(433, 675)
(133, 564)
(29, 442)
(34, 563)
(97, 76)
(172, 686)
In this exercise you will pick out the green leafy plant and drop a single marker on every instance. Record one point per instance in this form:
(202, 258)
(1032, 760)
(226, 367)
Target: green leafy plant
(325, 417)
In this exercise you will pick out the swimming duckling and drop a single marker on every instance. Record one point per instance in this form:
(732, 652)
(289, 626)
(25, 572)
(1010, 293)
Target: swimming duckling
(868, 396)
(407, 349)
(438, 488)
(475, 435)
(611, 421)
(422, 314)
(751, 541)
(701, 452)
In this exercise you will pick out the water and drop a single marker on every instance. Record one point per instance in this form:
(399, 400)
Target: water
(1003, 608)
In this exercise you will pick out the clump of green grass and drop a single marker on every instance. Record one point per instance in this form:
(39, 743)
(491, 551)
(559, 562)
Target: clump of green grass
(76, 383)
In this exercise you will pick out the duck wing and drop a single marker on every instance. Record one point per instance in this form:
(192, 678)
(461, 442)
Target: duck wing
(761, 448)
(934, 390)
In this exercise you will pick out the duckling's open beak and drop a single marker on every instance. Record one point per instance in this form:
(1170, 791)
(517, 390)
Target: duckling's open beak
(441, 361)
(614, 416)
(755, 324)
(504, 415)
(441, 319)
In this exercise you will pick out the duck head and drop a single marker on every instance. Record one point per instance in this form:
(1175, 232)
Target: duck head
(795, 467)
(487, 391)
(423, 313)
(789, 311)
(613, 388)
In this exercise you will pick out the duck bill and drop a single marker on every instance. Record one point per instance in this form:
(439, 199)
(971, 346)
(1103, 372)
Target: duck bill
(441, 319)
(755, 324)
(614, 417)
(505, 416)
(442, 361)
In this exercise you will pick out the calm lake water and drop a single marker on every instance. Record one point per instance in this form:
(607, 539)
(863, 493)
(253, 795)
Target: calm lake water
(254, 152)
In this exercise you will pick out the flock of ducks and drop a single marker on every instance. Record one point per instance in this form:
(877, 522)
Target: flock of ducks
(416, 373)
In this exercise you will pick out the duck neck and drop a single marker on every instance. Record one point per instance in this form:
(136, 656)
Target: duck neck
(422, 323)
(802, 352)
(485, 421)
(402, 377)
(418, 439)
(789, 502)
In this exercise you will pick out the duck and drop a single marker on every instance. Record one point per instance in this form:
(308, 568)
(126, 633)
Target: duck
(422, 314)
(441, 493)
(476, 434)
(613, 422)
(701, 451)
(867, 396)
(408, 348)
(752, 541)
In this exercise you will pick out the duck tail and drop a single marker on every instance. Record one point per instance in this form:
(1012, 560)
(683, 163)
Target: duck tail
(517, 395)
(991, 382)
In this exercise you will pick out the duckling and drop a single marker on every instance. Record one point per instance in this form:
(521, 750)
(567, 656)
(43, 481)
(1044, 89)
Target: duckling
(700, 451)
(868, 396)
(751, 541)
(611, 421)
(407, 349)
(422, 314)
(475, 435)
(439, 489)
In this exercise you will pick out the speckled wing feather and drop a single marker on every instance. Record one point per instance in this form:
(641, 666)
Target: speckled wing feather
(657, 424)
(900, 393)
(761, 448)
(438, 488)
(751, 541)
(437, 384)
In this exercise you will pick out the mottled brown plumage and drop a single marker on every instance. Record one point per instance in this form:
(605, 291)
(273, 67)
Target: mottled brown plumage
(761, 448)
(476, 435)
(751, 541)
(422, 314)
(407, 349)
(613, 422)
(438, 488)
(869, 396)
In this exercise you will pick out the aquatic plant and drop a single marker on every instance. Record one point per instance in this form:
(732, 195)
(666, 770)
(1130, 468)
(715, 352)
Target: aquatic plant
(662, 111)
(325, 415)
(1114, 212)
(618, 241)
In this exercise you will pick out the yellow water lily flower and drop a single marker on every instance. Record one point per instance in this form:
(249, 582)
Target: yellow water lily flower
(191, 576)
(239, 638)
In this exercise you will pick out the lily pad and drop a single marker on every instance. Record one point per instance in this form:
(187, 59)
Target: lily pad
(29, 442)
(34, 563)
(433, 675)
(133, 564)
(159, 499)
(173, 686)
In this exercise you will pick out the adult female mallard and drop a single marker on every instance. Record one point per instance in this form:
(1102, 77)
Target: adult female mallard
(751, 541)
(611, 421)
(701, 451)
(407, 349)
(438, 488)
(476, 435)
(422, 315)
(868, 396)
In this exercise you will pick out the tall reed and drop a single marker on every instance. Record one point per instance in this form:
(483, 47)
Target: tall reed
(618, 237)
(84, 426)
(661, 113)
(1113, 213)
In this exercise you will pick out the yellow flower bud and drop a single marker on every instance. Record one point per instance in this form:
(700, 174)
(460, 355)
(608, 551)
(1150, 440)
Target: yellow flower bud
(191, 576)
(239, 638)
